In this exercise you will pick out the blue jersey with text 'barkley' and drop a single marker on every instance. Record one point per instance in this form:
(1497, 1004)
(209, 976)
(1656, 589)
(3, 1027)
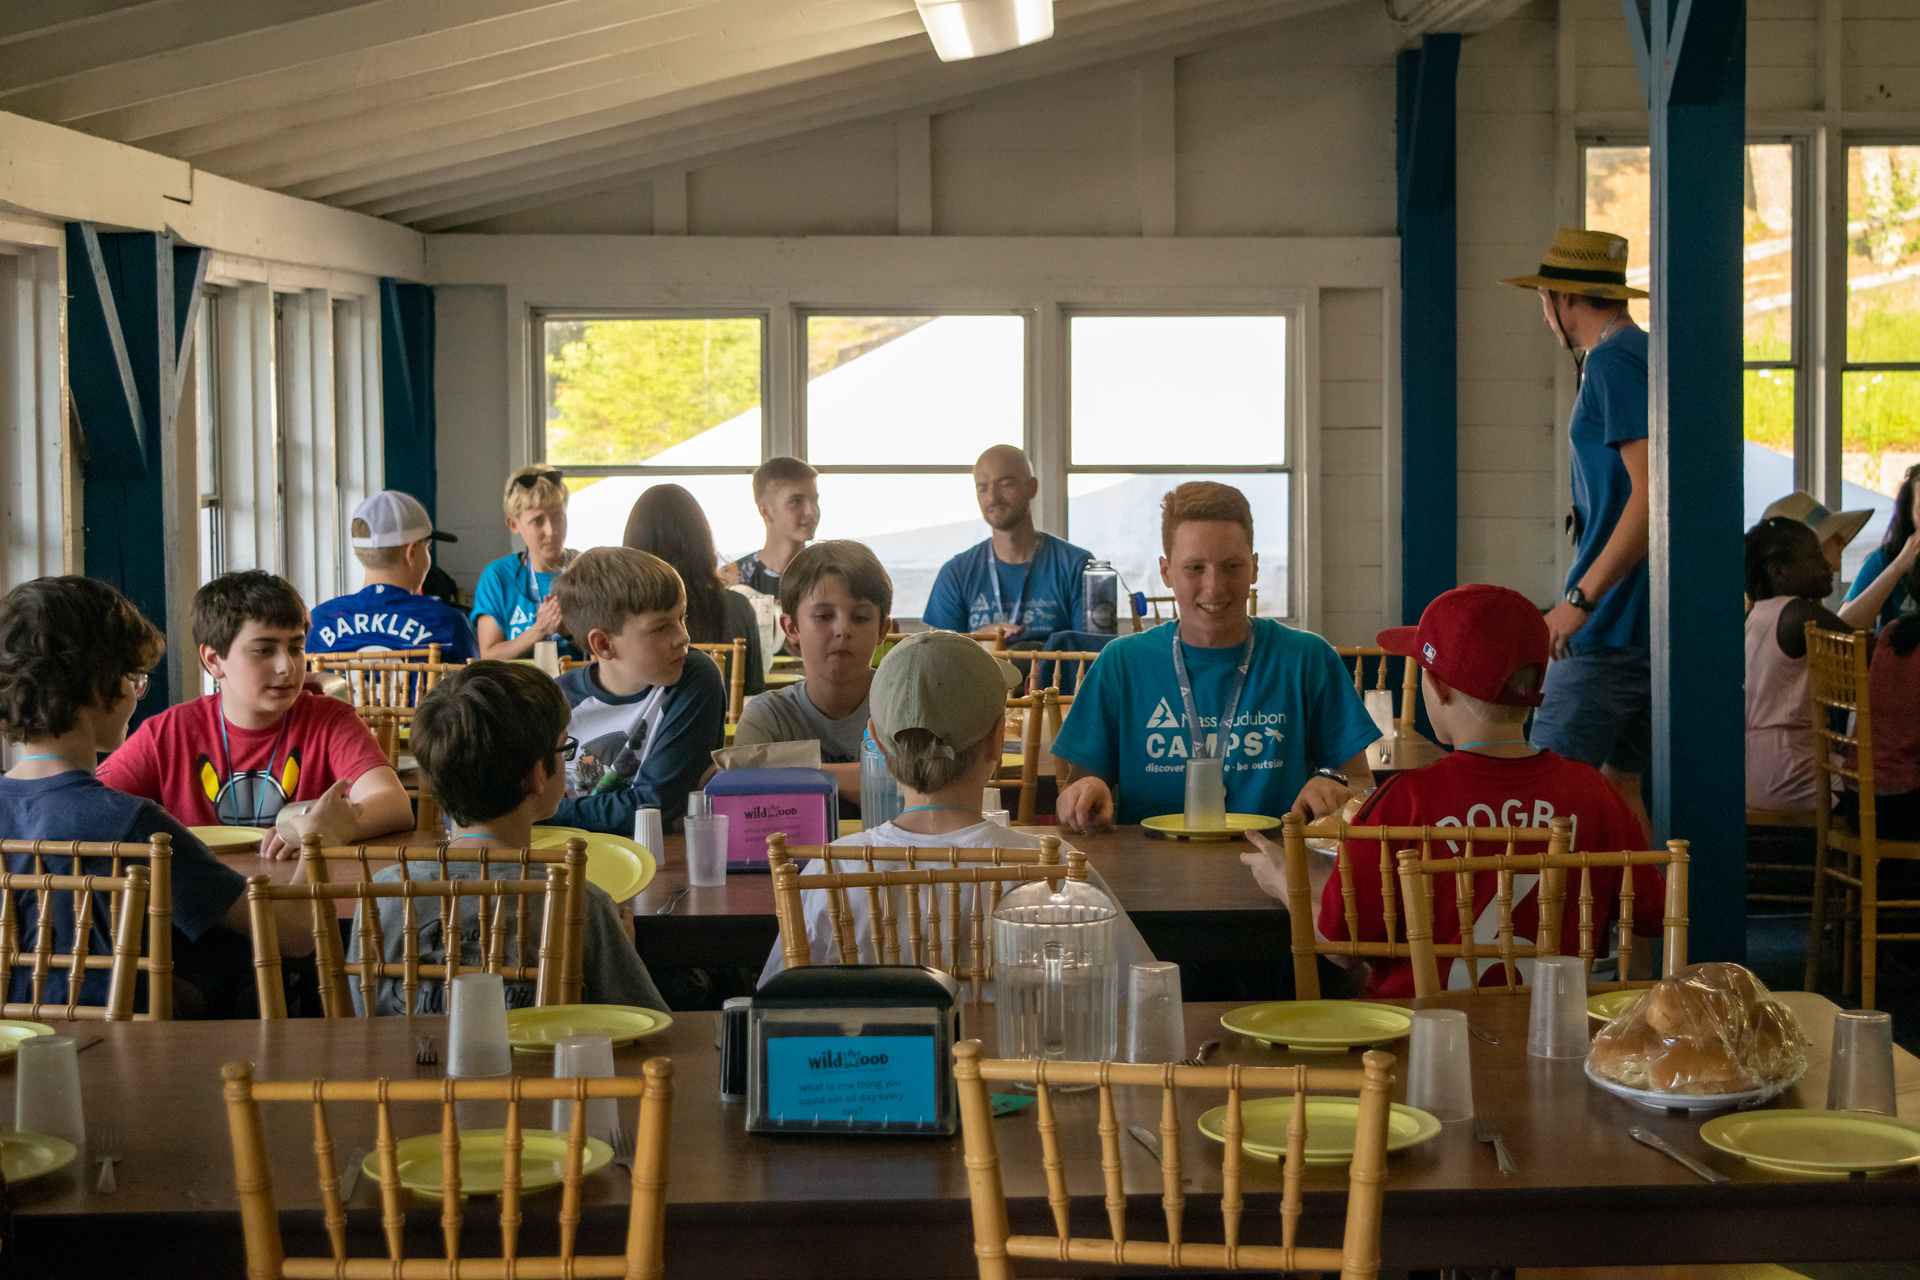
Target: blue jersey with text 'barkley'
(385, 617)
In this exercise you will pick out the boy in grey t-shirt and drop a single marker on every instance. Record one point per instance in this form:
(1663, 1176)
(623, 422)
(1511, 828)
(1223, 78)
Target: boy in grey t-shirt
(834, 602)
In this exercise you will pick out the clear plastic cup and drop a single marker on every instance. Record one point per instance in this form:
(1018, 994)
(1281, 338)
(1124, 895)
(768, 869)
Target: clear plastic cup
(1557, 1019)
(590, 1056)
(649, 834)
(1860, 1072)
(1439, 1074)
(1206, 793)
(1156, 1019)
(707, 850)
(477, 1045)
(46, 1097)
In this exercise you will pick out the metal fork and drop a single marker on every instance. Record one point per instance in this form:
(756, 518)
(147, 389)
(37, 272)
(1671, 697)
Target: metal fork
(622, 1143)
(1485, 1132)
(106, 1149)
(1199, 1059)
(423, 1051)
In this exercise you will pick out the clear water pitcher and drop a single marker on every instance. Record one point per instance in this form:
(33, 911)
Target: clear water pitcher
(1057, 972)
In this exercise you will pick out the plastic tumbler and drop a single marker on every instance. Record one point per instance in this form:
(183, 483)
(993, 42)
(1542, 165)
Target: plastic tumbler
(590, 1056)
(1557, 1019)
(46, 1096)
(1439, 1075)
(1156, 1021)
(1860, 1073)
(1206, 793)
(707, 850)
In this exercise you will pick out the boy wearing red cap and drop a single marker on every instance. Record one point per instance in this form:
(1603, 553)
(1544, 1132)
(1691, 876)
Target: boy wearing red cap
(1484, 651)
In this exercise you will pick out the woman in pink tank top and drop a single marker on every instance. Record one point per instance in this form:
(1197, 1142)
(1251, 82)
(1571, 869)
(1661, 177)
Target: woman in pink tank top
(1787, 578)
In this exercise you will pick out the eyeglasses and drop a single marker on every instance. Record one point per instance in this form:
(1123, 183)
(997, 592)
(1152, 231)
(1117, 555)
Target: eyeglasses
(139, 682)
(533, 478)
(569, 749)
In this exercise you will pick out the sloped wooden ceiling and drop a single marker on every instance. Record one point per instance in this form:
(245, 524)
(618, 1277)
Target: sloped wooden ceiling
(437, 112)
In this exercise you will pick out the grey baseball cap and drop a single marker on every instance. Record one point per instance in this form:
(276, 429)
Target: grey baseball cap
(943, 682)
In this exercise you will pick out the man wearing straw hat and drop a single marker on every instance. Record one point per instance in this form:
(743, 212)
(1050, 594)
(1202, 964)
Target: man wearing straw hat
(1598, 703)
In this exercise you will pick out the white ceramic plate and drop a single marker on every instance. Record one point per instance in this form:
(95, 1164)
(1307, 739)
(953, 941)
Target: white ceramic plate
(1693, 1101)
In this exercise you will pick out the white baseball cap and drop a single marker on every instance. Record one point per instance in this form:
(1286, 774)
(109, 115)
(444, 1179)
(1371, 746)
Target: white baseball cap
(394, 519)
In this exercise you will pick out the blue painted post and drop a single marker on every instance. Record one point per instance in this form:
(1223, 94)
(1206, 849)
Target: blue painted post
(406, 391)
(1429, 409)
(1692, 56)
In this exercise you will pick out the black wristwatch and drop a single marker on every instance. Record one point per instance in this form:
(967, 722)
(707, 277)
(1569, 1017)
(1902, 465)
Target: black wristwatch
(1578, 599)
(1333, 774)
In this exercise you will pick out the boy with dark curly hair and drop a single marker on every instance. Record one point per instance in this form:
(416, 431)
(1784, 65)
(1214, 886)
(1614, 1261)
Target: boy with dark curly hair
(74, 657)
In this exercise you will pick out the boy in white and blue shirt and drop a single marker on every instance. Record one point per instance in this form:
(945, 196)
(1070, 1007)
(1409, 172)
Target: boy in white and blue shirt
(392, 538)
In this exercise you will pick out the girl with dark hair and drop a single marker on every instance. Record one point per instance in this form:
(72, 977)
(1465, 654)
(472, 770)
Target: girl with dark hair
(1885, 587)
(1787, 578)
(667, 521)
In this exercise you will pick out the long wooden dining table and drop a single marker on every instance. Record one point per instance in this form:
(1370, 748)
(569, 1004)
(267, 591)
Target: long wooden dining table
(799, 1207)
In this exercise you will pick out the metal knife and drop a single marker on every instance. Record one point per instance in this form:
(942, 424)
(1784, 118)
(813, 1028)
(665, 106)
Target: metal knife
(1146, 1138)
(1666, 1148)
(350, 1177)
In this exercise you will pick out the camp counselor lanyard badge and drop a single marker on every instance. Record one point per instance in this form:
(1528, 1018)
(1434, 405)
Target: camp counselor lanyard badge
(1000, 613)
(1194, 730)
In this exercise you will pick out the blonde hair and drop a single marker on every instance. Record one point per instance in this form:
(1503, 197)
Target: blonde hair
(544, 492)
(921, 761)
(1522, 683)
(374, 557)
(604, 587)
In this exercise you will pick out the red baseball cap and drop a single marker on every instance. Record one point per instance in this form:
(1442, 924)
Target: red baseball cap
(1475, 638)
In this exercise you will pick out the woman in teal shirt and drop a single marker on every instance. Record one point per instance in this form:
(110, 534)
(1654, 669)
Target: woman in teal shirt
(1883, 589)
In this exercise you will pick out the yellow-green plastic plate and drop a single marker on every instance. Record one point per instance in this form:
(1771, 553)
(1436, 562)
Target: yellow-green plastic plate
(12, 1032)
(543, 1161)
(621, 866)
(1818, 1142)
(230, 839)
(28, 1155)
(535, 1030)
(1174, 826)
(1331, 1123)
(1609, 1005)
(1319, 1024)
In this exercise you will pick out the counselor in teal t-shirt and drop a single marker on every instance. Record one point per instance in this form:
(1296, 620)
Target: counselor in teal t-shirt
(1298, 713)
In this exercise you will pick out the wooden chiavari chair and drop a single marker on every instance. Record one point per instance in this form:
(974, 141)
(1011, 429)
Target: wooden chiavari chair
(1173, 608)
(1032, 709)
(995, 1246)
(385, 677)
(1303, 904)
(559, 888)
(1057, 706)
(260, 1217)
(1837, 687)
(48, 858)
(1417, 873)
(731, 657)
(934, 927)
(127, 913)
(1409, 685)
(390, 727)
(1775, 833)
(1046, 669)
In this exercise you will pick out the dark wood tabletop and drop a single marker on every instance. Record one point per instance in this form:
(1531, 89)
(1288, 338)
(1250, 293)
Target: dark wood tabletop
(780, 1206)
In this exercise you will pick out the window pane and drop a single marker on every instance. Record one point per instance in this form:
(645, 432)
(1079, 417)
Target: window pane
(1190, 390)
(1117, 518)
(1620, 200)
(670, 392)
(1880, 440)
(1769, 433)
(914, 523)
(914, 390)
(1769, 255)
(597, 511)
(1883, 254)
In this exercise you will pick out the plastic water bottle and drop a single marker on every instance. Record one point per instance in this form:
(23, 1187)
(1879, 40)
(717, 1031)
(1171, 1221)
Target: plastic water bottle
(880, 801)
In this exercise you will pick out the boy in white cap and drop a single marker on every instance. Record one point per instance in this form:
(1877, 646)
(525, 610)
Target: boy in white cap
(393, 539)
(939, 704)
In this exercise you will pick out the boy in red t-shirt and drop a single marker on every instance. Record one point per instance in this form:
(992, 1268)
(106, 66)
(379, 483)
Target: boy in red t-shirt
(236, 757)
(1484, 650)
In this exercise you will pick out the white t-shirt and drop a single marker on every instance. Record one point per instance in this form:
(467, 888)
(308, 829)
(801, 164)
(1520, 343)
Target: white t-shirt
(983, 835)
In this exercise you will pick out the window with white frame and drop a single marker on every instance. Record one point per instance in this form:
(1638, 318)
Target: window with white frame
(1880, 382)
(206, 366)
(1159, 400)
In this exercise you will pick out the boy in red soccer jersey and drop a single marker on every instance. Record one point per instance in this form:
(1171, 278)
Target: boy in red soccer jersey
(1484, 651)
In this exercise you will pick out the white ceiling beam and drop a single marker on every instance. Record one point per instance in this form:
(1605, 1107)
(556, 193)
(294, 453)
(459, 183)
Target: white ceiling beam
(141, 31)
(326, 152)
(542, 70)
(753, 124)
(1412, 19)
(41, 17)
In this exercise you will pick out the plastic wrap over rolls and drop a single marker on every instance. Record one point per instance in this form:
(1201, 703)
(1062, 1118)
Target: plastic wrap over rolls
(1709, 1029)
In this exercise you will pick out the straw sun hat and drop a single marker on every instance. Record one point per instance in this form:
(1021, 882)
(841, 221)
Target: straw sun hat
(1590, 262)
(1804, 507)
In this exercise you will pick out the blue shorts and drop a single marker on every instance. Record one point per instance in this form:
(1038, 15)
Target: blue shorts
(1598, 709)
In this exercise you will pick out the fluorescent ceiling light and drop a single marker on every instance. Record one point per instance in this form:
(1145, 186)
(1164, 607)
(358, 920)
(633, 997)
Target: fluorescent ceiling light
(973, 28)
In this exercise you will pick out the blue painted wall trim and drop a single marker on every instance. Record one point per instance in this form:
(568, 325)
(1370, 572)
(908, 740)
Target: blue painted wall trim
(1693, 63)
(1429, 411)
(406, 390)
(133, 298)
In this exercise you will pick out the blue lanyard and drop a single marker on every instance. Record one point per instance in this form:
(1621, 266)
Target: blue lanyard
(1194, 731)
(259, 793)
(993, 575)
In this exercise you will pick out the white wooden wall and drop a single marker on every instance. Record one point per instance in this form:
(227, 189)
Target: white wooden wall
(33, 410)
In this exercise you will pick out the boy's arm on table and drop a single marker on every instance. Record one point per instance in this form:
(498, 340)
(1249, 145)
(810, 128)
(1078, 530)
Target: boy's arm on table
(1269, 865)
(1085, 806)
(693, 726)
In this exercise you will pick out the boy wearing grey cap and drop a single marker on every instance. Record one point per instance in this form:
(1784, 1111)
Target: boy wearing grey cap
(939, 707)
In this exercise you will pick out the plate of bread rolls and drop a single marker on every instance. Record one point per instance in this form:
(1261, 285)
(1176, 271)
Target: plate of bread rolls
(1708, 1038)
